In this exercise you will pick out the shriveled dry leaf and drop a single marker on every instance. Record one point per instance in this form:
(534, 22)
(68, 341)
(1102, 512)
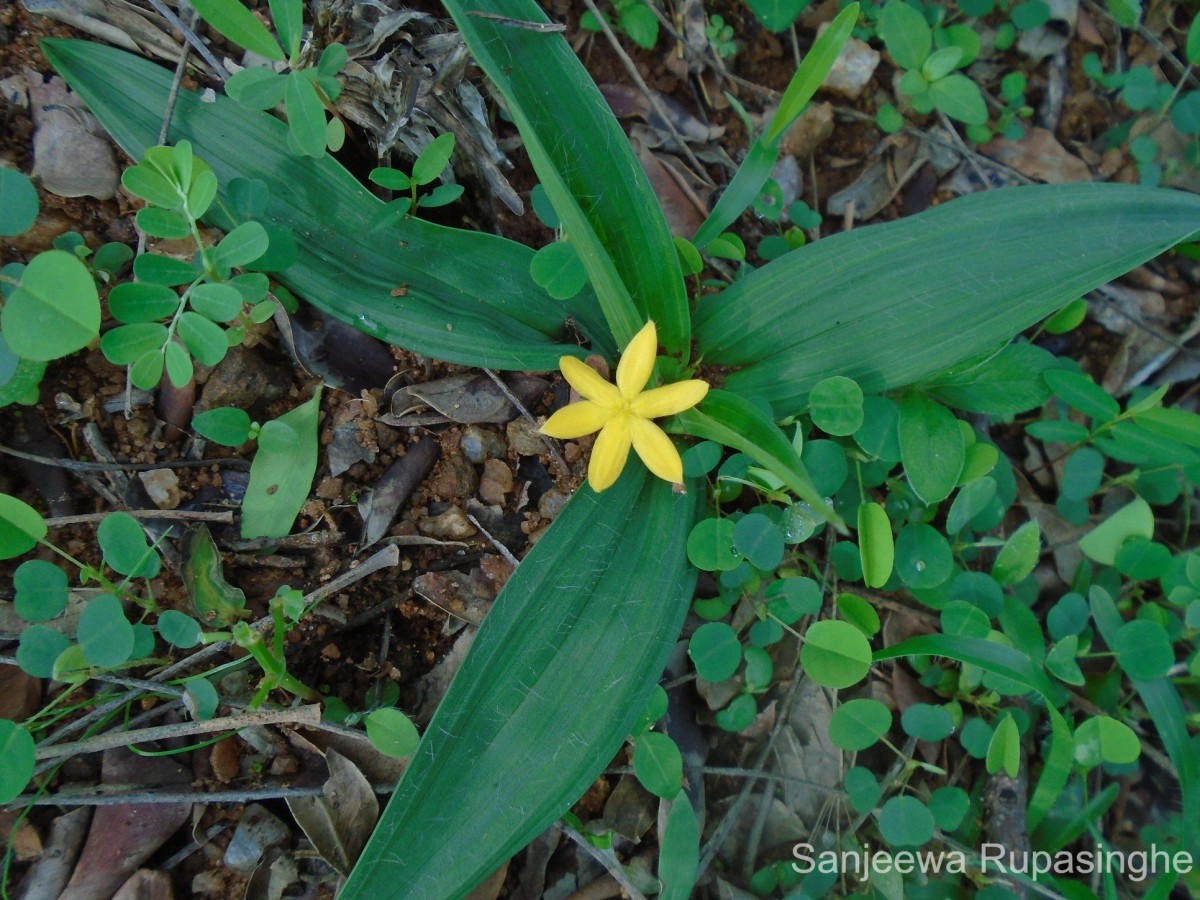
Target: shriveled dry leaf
(342, 817)
(71, 154)
(468, 399)
(1040, 156)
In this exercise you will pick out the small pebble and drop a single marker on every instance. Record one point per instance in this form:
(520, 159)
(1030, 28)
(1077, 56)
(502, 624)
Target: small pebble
(256, 832)
(452, 525)
(852, 69)
(551, 503)
(523, 437)
(163, 487)
(455, 478)
(479, 444)
(496, 483)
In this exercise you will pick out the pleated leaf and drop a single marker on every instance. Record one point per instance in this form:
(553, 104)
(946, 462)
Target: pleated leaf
(586, 165)
(890, 304)
(560, 670)
(461, 296)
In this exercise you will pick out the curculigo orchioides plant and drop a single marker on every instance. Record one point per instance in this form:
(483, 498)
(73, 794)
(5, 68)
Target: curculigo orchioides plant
(574, 645)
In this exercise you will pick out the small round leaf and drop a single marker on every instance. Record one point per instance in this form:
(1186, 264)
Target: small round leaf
(105, 635)
(19, 755)
(857, 724)
(41, 590)
(391, 732)
(835, 654)
(715, 651)
(906, 822)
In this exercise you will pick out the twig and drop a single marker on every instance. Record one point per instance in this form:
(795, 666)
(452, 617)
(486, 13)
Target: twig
(181, 514)
(302, 715)
(730, 819)
(1153, 40)
(525, 414)
(645, 88)
(173, 94)
(191, 37)
(304, 541)
(605, 859)
(120, 795)
(504, 551)
(75, 465)
(962, 148)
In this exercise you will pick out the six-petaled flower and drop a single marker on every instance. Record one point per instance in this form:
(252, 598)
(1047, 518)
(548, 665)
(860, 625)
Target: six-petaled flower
(622, 413)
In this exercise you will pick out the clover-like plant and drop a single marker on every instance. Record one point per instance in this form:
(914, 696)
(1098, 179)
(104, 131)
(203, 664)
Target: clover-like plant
(567, 659)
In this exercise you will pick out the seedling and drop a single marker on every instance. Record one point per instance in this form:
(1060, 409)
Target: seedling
(308, 94)
(427, 168)
(634, 18)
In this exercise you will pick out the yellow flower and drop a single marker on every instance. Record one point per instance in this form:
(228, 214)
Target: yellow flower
(622, 413)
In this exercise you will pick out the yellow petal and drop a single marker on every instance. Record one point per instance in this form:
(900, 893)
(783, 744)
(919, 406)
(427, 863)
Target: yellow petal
(656, 450)
(669, 399)
(633, 371)
(577, 420)
(590, 385)
(609, 453)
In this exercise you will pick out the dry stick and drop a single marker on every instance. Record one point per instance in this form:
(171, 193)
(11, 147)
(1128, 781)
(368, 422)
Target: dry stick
(645, 88)
(122, 797)
(388, 556)
(1154, 40)
(609, 863)
(181, 514)
(75, 465)
(525, 414)
(963, 148)
(301, 715)
(504, 551)
(173, 94)
(754, 838)
(189, 35)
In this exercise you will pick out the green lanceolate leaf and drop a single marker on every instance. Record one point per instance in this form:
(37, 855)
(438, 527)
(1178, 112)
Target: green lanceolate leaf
(931, 447)
(464, 297)
(756, 168)
(876, 549)
(728, 419)
(556, 678)
(238, 24)
(282, 471)
(593, 179)
(890, 304)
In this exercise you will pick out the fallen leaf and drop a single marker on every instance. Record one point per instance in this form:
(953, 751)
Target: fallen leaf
(72, 155)
(1040, 156)
(342, 817)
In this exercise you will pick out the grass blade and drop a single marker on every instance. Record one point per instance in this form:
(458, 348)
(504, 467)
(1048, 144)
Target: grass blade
(735, 422)
(585, 162)
(879, 305)
(461, 296)
(1012, 664)
(1166, 710)
(559, 671)
(756, 168)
